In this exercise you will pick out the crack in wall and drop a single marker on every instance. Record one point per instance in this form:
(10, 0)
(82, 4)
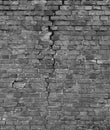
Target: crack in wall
(53, 63)
(53, 69)
(63, 2)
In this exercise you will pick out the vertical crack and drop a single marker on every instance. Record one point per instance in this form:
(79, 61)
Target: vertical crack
(51, 74)
(63, 2)
(47, 98)
(50, 30)
(47, 89)
(47, 79)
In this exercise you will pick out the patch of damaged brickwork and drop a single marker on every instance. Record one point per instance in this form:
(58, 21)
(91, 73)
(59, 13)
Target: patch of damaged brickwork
(54, 65)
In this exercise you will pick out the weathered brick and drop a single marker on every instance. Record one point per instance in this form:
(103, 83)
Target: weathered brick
(36, 28)
(96, 12)
(78, 28)
(65, 7)
(62, 23)
(38, 7)
(48, 12)
(104, 17)
(55, 37)
(88, 7)
(54, 2)
(52, 7)
(96, 17)
(63, 12)
(96, 7)
(58, 18)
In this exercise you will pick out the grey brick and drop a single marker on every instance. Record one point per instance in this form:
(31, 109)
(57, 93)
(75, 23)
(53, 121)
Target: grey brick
(62, 23)
(54, 2)
(48, 12)
(63, 12)
(52, 7)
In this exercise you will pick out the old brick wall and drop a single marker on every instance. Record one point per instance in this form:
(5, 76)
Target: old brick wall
(54, 65)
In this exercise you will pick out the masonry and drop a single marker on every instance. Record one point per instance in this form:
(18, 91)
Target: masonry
(54, 65)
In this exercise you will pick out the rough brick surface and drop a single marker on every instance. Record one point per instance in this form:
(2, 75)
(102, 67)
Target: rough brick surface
(54, 65)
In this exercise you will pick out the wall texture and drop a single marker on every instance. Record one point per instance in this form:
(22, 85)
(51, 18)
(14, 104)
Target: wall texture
(54, 65)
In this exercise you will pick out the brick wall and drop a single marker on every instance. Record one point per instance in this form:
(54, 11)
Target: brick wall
(54, 65)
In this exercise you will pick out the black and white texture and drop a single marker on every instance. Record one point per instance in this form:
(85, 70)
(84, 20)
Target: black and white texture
(54, 65)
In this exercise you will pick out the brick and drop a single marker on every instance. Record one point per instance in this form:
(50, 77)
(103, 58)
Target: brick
(78, 28)
(85, 2)
(95, 23)
(45, 18)
(52, 7)
(88, 7)
(58, 18)
(104, 17)
(38, 7)
(56, 47)
(44, 23)
(96, 17)
(67, 2)
(5, 56)
(101, 3)
(61, 23)
(96, 7)
(103, 33)
(106, 12)
(18, 127)
(9, 103)
(37, 18)
(63, 28)
(46, 36)
(65, 7)
(78, 23)
(103, 28)
(39, 13)
(63, 12)
(38, 2)
(96, 12)
(70, 127)
(48, 12)
(54, 2)
(36, 28)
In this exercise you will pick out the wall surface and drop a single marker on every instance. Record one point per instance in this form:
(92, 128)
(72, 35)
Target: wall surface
(54, 65)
